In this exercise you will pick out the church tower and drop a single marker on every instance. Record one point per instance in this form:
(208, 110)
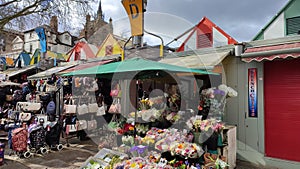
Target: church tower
(95, 31)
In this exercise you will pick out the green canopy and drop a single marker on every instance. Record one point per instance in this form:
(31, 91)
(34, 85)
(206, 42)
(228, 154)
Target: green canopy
(134, 65)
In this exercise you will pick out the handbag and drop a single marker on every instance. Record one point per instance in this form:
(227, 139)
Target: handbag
(24, 116)
(70, 109)
(82, 109)
(113, 124)
(50, 88)
(93, 107)
(81, 125)
(29, 106)
(71, 128)
(115, 107)
(114, 93)
(101, 111)
(92, 125)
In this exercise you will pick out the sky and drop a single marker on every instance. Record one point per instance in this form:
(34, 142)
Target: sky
(241, 19)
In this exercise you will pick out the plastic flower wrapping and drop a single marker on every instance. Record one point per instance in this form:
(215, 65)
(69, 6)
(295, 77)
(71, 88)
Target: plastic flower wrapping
(212, 101)
(186, 149)
(173, 117)
(141, 129)
(139, 151)
(148, 141)
(198, 125)
(128, 140)
(169, 136)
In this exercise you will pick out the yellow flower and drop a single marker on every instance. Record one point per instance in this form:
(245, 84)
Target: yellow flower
(133, 165)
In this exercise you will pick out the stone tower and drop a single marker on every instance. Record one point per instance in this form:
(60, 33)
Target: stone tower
(91, 26)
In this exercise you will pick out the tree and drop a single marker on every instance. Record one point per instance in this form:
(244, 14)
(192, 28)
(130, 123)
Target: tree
(23, 14)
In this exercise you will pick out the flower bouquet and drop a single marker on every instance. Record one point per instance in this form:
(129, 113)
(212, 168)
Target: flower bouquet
(148, 141)
(212, 101)
(128, 140)
(141, 129)
(173, 117)
(185, 149)
(139, 151)
(204, 129)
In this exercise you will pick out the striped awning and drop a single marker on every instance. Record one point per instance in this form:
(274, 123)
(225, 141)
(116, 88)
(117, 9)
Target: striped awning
(269, 53)
(271, 57)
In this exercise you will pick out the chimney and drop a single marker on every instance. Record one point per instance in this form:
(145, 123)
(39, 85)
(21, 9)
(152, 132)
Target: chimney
(54, 23)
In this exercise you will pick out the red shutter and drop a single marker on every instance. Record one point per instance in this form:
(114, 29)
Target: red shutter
(282, 109)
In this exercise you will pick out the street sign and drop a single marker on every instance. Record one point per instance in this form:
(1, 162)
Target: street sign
(134, 9)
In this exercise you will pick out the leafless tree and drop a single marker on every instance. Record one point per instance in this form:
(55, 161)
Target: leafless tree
(24, 14)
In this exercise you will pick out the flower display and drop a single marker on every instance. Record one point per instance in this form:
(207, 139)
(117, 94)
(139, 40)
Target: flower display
(148, 140)
(198, 125)
(185, 149)
(139, 151)
(173, 117)
(141, 129)
(145, 104)
(128, 140)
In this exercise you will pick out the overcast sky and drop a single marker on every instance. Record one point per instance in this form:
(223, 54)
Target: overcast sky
(241, 19)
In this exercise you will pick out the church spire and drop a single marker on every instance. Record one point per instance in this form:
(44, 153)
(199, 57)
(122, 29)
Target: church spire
(99, 12)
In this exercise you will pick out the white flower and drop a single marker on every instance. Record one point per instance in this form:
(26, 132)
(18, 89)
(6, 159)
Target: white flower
(232, 92)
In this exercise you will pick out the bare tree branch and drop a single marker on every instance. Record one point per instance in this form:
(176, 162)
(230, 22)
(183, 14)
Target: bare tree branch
(21, 12)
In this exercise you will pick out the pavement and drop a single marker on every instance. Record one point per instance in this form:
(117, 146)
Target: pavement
(73, 157)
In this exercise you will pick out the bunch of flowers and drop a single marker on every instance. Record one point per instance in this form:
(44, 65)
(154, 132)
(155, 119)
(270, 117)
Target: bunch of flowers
(139, 151)
(173, 117)
(128, 140)
(148, 141)
(125, 129)
(134, 163)
(198, 125)
(180, 164)
(141, 129)
(213, 100)
(186, 149)
(145, 104)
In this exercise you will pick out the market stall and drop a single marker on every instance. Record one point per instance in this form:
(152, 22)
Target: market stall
(160, 132)
(198, 143)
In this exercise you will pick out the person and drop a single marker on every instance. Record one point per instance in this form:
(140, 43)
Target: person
(203, 111)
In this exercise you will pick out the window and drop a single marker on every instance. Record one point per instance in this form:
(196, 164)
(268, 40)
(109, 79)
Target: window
(30, 35)
(67, 37)
(204, 40)
(108, 50)
(293, 25)
(49, 48)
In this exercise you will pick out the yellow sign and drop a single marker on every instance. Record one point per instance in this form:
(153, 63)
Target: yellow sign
(134, 9)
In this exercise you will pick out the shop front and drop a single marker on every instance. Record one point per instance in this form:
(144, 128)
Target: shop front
(266, 111)
(151, 120)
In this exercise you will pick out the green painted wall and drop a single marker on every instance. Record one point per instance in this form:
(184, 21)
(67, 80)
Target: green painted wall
(293, 10)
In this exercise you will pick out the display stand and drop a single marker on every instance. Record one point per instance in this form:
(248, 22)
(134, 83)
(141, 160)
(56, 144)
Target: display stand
(229, 151)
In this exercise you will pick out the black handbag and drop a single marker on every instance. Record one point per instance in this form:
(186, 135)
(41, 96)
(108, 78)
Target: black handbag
(45, 98)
